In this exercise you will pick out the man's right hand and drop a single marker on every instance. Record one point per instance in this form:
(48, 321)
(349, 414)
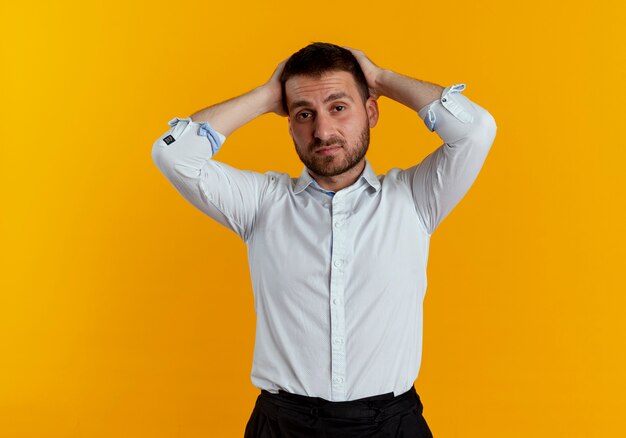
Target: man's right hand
(228, 116)
(275, 92)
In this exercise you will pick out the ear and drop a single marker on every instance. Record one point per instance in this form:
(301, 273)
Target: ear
(289, 123)
(371, 106)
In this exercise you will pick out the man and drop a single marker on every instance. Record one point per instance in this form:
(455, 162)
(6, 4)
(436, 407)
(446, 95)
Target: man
(337, 256)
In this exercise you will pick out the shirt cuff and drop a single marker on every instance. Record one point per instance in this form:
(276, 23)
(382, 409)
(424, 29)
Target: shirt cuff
(204, 130)
(450, 103)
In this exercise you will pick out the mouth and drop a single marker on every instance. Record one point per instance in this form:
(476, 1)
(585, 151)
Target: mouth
(327, 150)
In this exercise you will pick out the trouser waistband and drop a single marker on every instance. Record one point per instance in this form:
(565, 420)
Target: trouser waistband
(375, 407)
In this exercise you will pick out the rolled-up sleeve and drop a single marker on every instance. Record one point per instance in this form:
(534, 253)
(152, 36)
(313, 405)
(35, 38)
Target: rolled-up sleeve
(441, 180)
(184, 155)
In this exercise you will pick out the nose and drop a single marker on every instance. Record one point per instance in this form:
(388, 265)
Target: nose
(324, 129)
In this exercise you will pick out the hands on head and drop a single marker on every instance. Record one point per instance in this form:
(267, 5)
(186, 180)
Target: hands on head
(273, 85)
(231, 114)
(370, 70)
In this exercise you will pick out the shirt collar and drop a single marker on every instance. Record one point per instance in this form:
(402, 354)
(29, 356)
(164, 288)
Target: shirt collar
(368, 174)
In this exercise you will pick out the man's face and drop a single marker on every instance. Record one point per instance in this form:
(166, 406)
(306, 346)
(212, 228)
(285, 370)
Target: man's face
(329, 122)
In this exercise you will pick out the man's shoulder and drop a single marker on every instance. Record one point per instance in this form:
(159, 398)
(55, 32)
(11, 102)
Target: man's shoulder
(276, 181)
(393, 175)
(279, 176)
(281, 179)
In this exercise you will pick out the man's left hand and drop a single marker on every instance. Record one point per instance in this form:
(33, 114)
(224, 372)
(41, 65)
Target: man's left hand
(371, 71)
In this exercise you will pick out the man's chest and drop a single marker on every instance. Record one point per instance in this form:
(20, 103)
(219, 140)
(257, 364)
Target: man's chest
(306, 248)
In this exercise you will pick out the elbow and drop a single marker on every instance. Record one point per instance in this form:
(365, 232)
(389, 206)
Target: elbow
(159, 157)
(484, 131)
(490, 125)
(155, 153)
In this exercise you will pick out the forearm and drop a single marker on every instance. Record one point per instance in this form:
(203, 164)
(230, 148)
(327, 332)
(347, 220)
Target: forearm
(408, 91)
(228, 116)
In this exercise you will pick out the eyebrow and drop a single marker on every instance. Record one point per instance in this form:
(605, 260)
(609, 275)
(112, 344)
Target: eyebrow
(334, 96)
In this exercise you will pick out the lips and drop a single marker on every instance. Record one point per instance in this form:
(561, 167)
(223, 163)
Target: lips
(327, 150)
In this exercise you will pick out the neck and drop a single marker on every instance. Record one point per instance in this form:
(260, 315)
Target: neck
(338, 182)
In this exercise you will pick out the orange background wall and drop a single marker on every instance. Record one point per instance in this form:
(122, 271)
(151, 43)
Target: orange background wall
(125, 312)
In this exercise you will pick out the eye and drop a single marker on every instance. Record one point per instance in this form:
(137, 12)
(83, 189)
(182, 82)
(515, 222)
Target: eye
(339, 107)
(303, 115)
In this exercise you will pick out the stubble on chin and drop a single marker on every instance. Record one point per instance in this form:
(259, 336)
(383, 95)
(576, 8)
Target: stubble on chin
(324, 165)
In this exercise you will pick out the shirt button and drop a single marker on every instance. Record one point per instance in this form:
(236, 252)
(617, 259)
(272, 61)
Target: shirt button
(444, 100)
(338, 263)
(336, 301)
(338, 341)
(337, 379)
(338, 224)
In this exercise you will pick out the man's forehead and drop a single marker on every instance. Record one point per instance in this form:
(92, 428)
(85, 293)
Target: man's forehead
(328, 82)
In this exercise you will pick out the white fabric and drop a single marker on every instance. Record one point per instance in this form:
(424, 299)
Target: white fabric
(338, 280)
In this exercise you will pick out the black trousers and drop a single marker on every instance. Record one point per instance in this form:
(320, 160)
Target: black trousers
(286, 415)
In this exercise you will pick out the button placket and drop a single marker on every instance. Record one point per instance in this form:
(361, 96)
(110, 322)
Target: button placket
(337, 310)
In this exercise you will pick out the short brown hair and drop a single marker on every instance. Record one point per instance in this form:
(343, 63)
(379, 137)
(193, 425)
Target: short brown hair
(319, 58)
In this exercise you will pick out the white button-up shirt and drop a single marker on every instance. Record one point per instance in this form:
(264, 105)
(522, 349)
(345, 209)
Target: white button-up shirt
(338, 278)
